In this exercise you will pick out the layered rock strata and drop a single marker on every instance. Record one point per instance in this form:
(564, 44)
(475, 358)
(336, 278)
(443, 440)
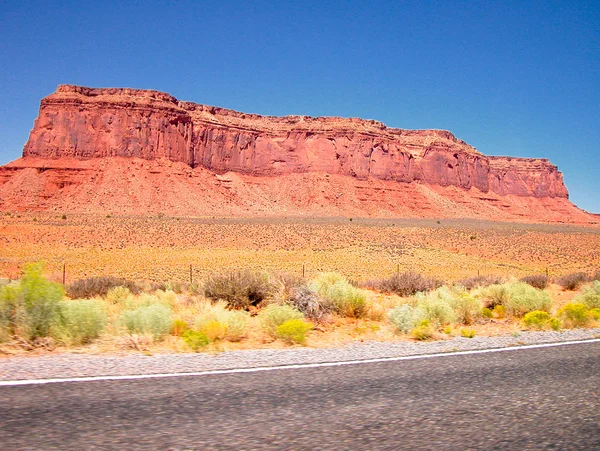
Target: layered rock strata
(87, 123)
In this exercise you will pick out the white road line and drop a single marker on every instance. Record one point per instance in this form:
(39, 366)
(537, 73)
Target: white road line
(288, 367)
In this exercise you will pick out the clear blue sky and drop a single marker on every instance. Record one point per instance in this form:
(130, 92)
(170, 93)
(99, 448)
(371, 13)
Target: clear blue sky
(511, 78)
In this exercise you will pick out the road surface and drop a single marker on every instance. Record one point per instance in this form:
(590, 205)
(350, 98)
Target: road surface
(545, 398)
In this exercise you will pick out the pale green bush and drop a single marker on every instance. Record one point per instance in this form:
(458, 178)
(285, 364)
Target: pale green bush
(465, 306)
(273, 316)
(195, 339)
(30, 307)
(405, 317)
(118, 295)
(154, 319)
(345, 299)
(293, 330)
(524, 298)
(590, 295)
(80, 321)
(436, 306)
(235, 321)
(493, 295)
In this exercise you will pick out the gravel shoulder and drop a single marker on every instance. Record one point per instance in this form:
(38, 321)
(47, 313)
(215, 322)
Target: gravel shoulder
(84, 365)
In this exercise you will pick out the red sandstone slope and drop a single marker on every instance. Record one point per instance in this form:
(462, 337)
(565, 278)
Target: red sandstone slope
(134, 151)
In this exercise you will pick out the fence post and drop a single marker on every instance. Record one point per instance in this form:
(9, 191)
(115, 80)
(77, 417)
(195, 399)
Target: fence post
(303, 270)
(191, 277)
(64, 274)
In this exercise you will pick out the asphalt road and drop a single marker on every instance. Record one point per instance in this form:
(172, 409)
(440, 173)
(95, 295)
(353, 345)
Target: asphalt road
(546, 398)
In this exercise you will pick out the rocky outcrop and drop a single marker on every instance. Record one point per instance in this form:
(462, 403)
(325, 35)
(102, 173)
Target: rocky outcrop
(86, 123)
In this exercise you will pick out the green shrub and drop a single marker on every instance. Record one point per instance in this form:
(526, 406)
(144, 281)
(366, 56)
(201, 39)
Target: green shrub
(424, 331)
(539, 281)
(80, 321)
(499, 311)
(240, 290)
(574, 315)
(487, 313)
(554, 323)
(590, 296)
(30, 307)
(573, 280)
(178, 327)
(344, 298)
(523, 298)
(154, 319)
(465, 306)
(293, 331)
(118, 295)
(595, 313)
(436, 306)
(405, 317)
(537, 319)
(99, 286)
(404, 284)
(195, 339)
(479, 282)
(467, 333)
(273, 316)
(493, 295)
(220, 323)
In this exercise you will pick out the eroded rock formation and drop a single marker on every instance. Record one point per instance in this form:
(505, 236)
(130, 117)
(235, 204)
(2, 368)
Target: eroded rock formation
(86, 123)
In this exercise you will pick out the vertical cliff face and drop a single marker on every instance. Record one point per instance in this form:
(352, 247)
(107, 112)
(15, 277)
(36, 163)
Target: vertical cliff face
(86, 123)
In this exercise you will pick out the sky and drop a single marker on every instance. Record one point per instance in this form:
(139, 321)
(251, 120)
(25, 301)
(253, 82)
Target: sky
(515, 78)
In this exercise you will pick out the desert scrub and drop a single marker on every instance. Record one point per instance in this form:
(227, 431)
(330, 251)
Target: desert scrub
(424, 331)
(574, 315)
(405, 317)
(195, 339)
(538, 319)
(493, 295)
(590, 295)
(240, 290)
(344, 298)
(309, 303)
(539, 281)
(404, 284)
(523, 298)
(80, 321)
(285, 285)
(465, 332)
(30, 307)
(436, 306)
(273, 316)
(465, 306)
(480, 282)
(178, 327)
(293, 331)
(117, 295)
(595, 313)
(573, 280)
(98, 286)
(220, 323)
(153, 319)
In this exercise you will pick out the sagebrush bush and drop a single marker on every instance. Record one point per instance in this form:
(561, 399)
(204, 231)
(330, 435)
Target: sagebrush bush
(80, 321)
(574, 315)
(240, 290)
(344, 298)
(154, 319)
(285, 285)
(30, 307)
(404, 284)
(405, 317)
(273, 316)
(573, 280)
(537, 319)
(493, 295)
(293, 330)
(465, 306)
(524, 298)
(195, 339)
(212, 317)
(118, 295)
(436, 306)
(590, 295)
(99, 286)
(480, 281)
(539, 281)
(309, 303)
